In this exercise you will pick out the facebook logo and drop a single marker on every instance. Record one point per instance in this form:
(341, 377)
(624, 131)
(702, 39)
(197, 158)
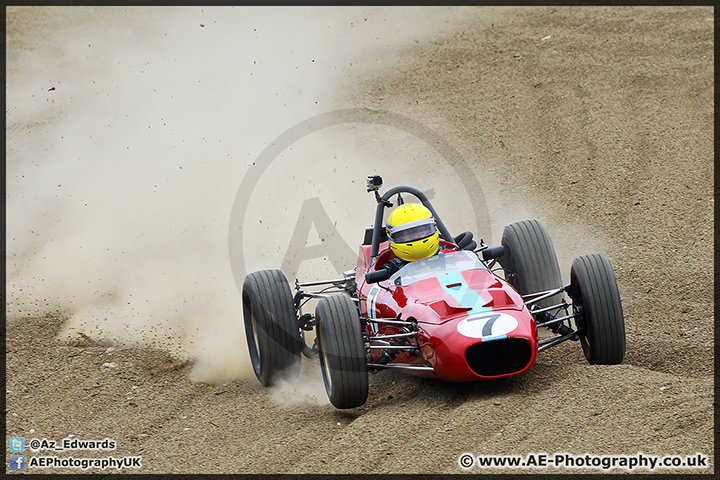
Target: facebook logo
(17, 462)
(17, 444)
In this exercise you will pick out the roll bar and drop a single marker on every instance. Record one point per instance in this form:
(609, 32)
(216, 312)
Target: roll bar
(384, 201)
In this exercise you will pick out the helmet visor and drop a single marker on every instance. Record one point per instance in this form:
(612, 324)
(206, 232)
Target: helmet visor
(412, 231)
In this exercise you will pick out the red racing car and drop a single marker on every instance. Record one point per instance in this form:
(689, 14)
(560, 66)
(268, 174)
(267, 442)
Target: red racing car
(448, 316)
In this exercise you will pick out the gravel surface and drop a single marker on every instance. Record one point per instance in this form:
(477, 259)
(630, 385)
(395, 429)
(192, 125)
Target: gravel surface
(598, 121)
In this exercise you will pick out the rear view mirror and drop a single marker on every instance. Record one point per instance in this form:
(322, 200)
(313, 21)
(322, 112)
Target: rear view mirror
(493, 253)
(377, 276)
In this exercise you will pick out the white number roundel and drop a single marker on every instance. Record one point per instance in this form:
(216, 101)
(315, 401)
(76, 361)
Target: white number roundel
(487, 325)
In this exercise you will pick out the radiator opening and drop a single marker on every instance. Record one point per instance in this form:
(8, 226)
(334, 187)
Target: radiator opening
(498, 357)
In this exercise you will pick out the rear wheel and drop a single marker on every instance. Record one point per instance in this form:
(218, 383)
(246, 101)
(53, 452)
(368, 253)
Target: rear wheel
(597, 300)
(342, 352)
(273, 335)
(530, 262)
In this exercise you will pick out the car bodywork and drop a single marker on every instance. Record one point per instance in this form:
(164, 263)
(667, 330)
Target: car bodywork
(469, 324)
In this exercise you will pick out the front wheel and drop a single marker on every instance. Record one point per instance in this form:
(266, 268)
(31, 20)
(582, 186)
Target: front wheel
(596, 299)
(272, 331)
(342, 352)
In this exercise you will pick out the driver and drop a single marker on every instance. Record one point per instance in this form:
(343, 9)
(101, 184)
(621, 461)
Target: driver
(412, 233)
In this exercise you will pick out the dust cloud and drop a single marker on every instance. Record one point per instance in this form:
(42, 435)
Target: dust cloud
(129, 131)
(305, 389)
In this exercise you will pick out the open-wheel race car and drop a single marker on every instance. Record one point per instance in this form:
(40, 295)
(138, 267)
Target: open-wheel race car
(448, 315)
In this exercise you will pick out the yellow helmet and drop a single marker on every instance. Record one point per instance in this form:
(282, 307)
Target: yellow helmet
(412, 232)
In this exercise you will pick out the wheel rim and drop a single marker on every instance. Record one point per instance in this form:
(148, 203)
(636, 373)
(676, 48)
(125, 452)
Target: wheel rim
(581, 325)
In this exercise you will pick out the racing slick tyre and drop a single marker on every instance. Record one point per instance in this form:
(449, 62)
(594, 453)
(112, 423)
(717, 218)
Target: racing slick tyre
(273, 335)
(342, 352)
(596, 298)
(530, 262)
